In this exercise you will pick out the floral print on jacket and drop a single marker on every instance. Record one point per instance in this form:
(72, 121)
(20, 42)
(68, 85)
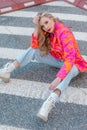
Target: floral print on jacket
(64, 47)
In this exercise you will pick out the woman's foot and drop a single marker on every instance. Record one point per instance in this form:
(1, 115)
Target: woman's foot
(46, 108)
(5, 72)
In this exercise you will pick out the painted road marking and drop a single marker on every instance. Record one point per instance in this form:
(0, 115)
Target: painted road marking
(5, 127)
(62, 16)
(39, 90)
(9, 53)
(25, 31)
(59, 3)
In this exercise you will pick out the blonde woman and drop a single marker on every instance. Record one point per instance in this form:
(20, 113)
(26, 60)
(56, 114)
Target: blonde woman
(54, 44)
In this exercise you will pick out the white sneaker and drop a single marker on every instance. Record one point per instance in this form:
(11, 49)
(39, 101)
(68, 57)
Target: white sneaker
(46, 108)
(4, 73)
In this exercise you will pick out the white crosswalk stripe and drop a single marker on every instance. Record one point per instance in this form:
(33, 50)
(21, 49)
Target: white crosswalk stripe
(59, 3)
(4, 127)
(33, 89)
(10, 53)
(28, 31)
(26, 88)
(67, 16)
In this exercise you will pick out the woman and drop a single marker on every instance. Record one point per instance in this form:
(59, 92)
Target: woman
(52, 43)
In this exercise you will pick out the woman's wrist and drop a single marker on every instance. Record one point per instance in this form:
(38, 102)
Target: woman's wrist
(36, 31)
(59, 79)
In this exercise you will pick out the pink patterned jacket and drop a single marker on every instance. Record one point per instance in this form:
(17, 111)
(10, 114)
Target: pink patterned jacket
(64, 47)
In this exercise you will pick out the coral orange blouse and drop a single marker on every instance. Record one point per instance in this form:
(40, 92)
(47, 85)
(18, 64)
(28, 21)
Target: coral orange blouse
(64, 47)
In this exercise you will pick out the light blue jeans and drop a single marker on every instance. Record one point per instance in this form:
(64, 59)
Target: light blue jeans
(34, 54)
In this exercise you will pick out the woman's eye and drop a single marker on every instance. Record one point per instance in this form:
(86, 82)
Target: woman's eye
(46, 22)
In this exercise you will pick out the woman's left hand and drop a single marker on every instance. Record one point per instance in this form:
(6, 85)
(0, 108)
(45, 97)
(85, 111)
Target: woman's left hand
(54, 84)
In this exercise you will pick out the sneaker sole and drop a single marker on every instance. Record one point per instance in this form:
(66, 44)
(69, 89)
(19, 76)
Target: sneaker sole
(6, 80)
(42, 117)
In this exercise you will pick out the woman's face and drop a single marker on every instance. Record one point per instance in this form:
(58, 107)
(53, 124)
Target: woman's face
(47, 24)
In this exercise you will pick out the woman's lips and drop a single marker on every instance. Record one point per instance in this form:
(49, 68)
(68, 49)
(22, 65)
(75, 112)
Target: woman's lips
(49, 30)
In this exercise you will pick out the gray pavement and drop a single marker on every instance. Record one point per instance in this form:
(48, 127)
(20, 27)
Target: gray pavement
(20, 112)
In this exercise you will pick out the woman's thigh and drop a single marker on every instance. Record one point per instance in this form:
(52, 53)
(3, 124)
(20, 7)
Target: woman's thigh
(48, 59)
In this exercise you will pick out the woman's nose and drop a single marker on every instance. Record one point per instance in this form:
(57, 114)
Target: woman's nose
(46, 27)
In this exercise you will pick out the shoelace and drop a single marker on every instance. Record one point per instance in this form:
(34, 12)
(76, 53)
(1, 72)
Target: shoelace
(50, 103)
(6, 65)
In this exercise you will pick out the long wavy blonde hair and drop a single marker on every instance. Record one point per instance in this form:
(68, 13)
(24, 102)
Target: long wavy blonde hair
(43, 37)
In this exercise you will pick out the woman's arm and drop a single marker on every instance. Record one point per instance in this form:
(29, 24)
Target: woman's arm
(35, 31)
(34, 41)
(34, 38)
(67, 40)
(35, 21)
(54, 84)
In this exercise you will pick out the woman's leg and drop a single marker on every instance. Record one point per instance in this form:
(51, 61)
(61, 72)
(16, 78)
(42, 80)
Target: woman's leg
(54, 96)
(48, 59)
(20, 61)
(64, 84)
(25, 57)
(34, 54)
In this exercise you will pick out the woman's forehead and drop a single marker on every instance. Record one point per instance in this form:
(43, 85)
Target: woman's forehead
(43, 19)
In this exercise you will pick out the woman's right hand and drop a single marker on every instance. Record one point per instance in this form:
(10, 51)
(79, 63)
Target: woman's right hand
(35, 20)
(55, 83)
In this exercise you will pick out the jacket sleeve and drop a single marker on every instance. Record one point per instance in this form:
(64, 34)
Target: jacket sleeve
(67, 41)
(34, 41)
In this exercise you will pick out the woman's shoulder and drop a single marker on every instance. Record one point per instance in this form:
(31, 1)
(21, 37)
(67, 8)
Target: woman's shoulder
(61, 27)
